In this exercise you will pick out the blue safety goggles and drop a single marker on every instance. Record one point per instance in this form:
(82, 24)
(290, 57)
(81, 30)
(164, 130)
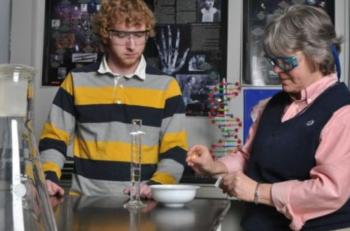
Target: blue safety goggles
(286, 64)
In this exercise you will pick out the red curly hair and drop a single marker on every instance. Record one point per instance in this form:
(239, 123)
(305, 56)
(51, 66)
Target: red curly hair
(130, 12)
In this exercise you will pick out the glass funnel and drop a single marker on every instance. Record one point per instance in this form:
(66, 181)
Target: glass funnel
(24, 201)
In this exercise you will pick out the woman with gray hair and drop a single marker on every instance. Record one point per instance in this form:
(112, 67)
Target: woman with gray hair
(294, 167)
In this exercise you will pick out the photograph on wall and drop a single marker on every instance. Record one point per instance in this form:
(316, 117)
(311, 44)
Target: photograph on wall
(257, 71)
(209, 10)
(195, 91)
(253, 100)
(69, 41)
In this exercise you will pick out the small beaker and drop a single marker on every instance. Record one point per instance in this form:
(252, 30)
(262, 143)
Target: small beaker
(135, 165)
(24, 200)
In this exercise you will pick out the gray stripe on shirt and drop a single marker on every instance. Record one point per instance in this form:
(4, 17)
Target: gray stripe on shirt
(172, 167)
(89, 79)
(92, 187)
(61, 119)
(175, 123)
(52, 155)
(116, 131)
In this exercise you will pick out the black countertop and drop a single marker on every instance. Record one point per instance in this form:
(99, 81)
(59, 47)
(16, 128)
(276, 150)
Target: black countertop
(107, 213)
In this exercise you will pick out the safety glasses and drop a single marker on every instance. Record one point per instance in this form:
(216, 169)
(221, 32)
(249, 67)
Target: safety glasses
(123, 37)
(286, 64)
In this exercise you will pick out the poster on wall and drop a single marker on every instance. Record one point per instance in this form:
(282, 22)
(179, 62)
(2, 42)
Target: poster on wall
(69, 41)
(254, 99)
(257, 71)
(190, 43)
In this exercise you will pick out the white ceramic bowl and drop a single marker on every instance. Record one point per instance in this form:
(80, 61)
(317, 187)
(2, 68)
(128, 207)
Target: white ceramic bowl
(174, 195)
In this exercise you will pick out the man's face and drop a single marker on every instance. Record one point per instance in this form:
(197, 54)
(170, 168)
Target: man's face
(209, 4)
(126, 44)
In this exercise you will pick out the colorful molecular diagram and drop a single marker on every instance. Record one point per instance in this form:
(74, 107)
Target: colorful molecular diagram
(220, 115)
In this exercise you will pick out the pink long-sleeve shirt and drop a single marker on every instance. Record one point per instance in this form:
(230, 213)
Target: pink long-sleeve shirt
(329, 185)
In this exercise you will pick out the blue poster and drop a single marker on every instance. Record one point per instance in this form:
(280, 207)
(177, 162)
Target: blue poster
(251, 98)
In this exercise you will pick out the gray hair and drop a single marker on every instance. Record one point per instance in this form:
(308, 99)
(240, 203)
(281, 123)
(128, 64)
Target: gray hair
(307, 29)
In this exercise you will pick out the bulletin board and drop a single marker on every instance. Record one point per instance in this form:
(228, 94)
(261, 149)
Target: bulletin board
(68, 40)
(190, 44)
(190, 47)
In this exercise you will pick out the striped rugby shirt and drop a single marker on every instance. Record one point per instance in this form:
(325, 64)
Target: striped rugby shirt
(93, 108)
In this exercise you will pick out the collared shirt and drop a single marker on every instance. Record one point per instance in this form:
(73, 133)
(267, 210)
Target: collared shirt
(328, 187)
(94, 110)
(208, 15)
(139, 72)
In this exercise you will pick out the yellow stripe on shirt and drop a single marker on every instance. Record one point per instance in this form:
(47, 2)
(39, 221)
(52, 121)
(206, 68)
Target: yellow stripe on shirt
(163, 178)
(174, 139)
(67, 84)
(51, 166)
(55, 133)
(112, 151)
(173, 89)
(131, 96)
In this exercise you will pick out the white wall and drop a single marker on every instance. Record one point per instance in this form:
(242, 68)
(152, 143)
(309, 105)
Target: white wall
(5, 31)
(342, 26)
(27, 48)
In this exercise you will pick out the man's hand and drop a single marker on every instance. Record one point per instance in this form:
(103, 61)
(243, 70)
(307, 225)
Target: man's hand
(54, 189)
(55, 201)
(168, 51)
(145, 191)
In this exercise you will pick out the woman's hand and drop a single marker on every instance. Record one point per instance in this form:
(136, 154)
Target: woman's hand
(201, 160)
(239, 185)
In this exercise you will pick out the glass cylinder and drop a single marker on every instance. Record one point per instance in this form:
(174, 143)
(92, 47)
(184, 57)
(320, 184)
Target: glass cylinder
(135, 165)
(135, 220)
(24, 200)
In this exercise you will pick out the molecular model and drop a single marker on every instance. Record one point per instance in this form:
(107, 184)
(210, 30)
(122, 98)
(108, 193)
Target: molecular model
(220, 115)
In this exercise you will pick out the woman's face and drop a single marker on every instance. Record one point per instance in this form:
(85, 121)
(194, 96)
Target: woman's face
(299, 78)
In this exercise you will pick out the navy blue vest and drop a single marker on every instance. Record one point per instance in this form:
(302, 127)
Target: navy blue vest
(286, 151)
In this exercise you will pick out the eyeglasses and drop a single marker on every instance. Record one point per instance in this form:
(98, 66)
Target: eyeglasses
(120, 37)
(286, 64)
